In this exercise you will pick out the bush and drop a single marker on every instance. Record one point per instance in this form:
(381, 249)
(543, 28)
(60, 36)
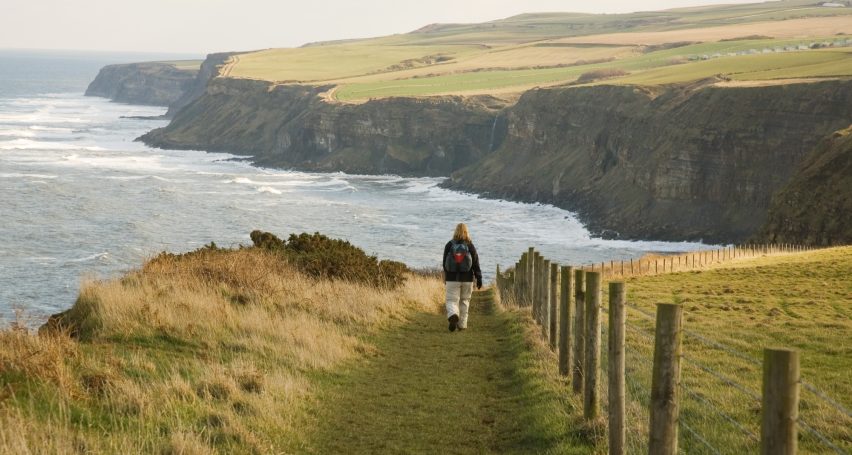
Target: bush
(601, 74)
(322, 257)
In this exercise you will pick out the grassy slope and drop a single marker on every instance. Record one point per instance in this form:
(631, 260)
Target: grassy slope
(800, 301)
(212, 354)
(239, 354)
(521, 52)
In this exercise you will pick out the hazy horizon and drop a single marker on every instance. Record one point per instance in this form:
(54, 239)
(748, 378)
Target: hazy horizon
(195, 27)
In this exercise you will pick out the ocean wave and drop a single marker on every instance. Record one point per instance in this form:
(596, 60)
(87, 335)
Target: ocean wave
(18, 175)
(94, 257)
(29, 144)
(267, 189)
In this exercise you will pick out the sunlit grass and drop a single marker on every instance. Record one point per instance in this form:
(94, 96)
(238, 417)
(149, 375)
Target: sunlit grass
(209, 355)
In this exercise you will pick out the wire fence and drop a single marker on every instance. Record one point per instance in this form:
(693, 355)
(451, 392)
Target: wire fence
(719, 391)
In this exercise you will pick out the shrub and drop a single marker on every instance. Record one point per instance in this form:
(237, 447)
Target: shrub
(322, 257)
(601, 74)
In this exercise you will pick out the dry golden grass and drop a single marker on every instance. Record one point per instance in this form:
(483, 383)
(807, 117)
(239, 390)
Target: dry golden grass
(793, 28)
(212, 354)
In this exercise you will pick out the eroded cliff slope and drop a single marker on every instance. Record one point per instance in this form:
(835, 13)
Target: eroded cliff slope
(291, 126)
(152, 83)
(689, 162)
(684, 162)
(815, 207)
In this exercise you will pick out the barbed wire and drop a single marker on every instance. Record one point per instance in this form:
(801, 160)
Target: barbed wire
(699, 437)
(811, 388)
(640, 331)
(713, 407)
(648, 315)
(822, 437)
(722, 347)
(752, 394)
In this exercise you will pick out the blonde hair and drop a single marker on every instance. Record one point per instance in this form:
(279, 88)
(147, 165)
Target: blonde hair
(461, 234)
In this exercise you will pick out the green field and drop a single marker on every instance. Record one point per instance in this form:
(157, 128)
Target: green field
(184, 64)
(800, 301)
(512, 55)
(651, 69)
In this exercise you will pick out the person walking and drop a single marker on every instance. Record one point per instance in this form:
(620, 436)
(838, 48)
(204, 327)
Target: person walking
(461, 269)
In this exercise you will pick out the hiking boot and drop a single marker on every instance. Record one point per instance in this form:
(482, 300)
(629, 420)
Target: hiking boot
(454, 321)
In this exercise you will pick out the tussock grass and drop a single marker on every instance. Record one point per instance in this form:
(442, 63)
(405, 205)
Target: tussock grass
(213, 353)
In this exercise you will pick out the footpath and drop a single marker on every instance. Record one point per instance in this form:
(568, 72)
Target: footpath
(427, 390)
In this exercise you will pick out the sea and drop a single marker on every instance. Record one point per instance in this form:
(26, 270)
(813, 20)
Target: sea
(81, 199)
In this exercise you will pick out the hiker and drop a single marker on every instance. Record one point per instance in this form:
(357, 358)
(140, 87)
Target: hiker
(461, 267)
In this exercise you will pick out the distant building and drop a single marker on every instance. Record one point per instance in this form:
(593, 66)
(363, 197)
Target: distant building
(832, 5)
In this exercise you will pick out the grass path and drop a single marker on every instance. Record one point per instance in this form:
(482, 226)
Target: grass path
(426, 390)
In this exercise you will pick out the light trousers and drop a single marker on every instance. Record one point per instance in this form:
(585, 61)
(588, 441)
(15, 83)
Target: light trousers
(458, 300)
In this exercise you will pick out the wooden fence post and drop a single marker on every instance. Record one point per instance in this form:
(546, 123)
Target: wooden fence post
(565, 320)
(615, 358)
(545, 299)
(518, 284)
(529, 280)
(539, 270)
(665, 379)
(579, 330)
(534, 284)
(498, 281)
(778, 429)
(554, 305)
(591, 383)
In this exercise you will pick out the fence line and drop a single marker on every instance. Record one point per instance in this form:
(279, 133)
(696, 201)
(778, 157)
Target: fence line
(575, 321)
(839, 407)
(723, 378)
(708, 404)
(821, 437)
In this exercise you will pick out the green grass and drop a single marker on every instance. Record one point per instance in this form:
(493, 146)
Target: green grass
(185, 64)
(489, 389)
(329, 62)
(801, 64)
(800, 301)
(504, 56)
(651, 69)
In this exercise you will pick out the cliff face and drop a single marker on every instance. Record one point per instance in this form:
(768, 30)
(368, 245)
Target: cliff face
(208, 70)
(153, 83)
(290, 126)
(815, 207)
(678, 163)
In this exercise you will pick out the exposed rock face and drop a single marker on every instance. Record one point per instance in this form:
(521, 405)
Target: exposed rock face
(815, 207)
(209, 69)
(678, 163)
(290, 126)
(152, 83)
(697, 162)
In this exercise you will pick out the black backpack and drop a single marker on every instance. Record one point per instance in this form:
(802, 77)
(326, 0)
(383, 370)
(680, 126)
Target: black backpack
(458, 258)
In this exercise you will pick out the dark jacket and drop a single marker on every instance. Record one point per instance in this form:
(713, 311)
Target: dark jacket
(465, 277)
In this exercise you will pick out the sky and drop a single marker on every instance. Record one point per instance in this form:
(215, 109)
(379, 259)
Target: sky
(204, 26)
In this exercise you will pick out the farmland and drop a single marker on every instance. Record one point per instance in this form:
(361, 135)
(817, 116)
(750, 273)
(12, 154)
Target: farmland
(752, 42)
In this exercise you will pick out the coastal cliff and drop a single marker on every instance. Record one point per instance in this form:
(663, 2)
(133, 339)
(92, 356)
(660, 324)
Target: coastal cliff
(291, 126)
(150, 83)
(697, 162)
(689, 162)
(815, 207)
